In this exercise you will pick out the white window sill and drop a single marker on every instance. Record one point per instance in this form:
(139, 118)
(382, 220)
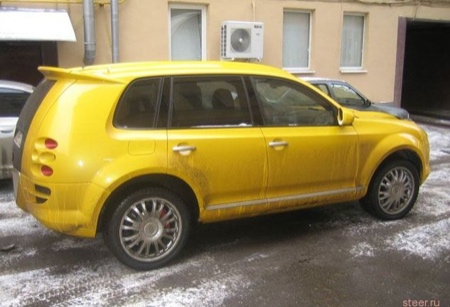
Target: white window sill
(299, 70)
(352, 71)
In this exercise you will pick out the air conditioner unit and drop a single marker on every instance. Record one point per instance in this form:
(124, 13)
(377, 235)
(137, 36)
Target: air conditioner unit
(242, 40)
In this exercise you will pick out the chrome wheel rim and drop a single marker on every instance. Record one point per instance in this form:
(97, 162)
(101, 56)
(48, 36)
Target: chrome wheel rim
(150, 229)
(396, 190)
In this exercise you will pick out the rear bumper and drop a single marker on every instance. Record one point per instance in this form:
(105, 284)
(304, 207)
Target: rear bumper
(71, 209)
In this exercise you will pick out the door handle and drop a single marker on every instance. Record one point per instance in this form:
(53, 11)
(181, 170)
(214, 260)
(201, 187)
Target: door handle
(7, 131)
(183, 149)
(278, 143)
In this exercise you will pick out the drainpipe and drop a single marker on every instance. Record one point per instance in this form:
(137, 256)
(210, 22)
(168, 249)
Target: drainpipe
(89, 32)
(115, 30)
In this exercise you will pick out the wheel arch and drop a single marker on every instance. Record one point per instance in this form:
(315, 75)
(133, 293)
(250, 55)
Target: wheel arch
(404, 154)
(400, 154)
(168, 182)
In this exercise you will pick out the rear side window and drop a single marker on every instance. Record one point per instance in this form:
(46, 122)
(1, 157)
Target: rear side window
(138, 106)
(210, 101)
(12, 102)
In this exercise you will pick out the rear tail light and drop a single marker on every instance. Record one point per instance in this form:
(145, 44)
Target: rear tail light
(50, 143)
(46, 170)
(44, 155)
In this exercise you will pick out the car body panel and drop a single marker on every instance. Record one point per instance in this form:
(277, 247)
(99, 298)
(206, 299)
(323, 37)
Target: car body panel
(211, 168)
(376, 146)
(233, 172)
(308, 163)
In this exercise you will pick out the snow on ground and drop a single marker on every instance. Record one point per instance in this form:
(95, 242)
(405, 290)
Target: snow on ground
(112, 284)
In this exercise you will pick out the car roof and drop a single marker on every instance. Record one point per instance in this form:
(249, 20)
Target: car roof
(126, 72)
(16, 86)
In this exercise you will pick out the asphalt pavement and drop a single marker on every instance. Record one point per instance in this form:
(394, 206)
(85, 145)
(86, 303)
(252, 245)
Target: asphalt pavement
(330, 256)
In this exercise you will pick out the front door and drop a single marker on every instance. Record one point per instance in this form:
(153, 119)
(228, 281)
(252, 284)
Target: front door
(310, 157)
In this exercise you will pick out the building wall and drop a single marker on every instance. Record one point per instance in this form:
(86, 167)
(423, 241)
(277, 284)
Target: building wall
(144, 34)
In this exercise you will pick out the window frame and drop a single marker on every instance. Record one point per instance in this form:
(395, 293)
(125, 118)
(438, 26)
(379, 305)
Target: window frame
(359, 68)
(202, 10)
(299, 69)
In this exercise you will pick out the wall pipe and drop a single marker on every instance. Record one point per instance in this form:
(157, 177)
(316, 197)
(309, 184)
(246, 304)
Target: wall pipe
(89, 32)
(115, 30)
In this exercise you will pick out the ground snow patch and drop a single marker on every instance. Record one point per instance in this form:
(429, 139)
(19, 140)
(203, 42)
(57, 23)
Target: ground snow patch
(362, 249)
(427, 241)
(207, 293)
(71, 243)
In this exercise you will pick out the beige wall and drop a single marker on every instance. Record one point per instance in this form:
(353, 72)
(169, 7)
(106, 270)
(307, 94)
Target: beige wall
(144, 34)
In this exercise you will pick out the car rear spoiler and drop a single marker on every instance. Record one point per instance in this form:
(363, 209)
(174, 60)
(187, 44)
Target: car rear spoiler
(55, 73)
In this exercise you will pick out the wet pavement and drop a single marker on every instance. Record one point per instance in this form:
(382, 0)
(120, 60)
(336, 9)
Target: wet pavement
(331, 256)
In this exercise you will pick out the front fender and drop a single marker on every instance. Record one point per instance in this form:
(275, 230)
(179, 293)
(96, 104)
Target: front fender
(372, 156)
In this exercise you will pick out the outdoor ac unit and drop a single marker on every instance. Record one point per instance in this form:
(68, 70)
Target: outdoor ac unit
(242, 40)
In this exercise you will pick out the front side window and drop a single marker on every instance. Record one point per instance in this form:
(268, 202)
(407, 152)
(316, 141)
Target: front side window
(346, 95)
(209, 102)
(296, 39)
(137, 107)
(352, 41)
(290, 104)
(187, 33)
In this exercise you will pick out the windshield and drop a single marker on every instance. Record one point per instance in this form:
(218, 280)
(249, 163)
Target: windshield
(345, 95)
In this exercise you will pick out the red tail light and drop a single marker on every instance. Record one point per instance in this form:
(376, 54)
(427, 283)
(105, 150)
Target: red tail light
(46, 170)
(50, 144)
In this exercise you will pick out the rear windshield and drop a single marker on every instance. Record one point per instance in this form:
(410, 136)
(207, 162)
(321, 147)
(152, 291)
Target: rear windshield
(26, 116)
(33, 104)
(12, 102)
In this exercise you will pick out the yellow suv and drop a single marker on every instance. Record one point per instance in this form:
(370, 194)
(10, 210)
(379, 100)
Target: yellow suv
(142, 151)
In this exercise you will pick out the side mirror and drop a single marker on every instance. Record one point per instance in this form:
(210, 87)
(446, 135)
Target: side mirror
(345, 117)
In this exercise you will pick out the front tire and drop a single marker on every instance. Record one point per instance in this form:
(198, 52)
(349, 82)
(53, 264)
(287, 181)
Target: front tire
(148, 228)
(393, 190)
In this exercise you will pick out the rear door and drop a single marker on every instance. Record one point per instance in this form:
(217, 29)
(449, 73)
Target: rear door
(212, 143)
(311, 158)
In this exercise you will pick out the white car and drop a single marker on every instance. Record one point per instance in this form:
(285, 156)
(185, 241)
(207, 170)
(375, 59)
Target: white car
(13, 96)
(350, 97)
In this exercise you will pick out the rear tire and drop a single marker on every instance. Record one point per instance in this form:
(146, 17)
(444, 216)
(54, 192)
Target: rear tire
(147, 229)
(393, 190)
